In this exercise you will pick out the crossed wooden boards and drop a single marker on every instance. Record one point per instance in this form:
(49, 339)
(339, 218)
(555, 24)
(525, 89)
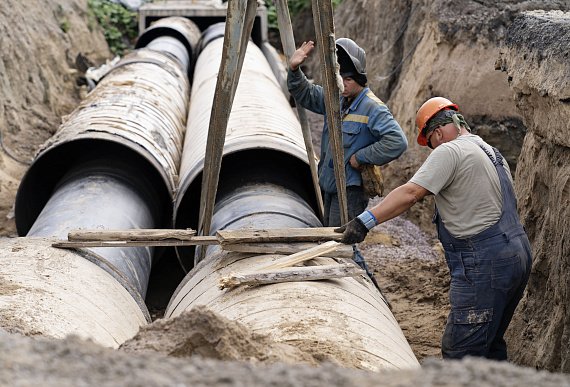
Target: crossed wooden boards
(302, 244)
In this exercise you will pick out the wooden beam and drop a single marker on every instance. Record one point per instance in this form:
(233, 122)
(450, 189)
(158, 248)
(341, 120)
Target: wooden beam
(207, 240)
(324, 31)
(239, 23)
(291, 274)
(344, 251)
(278, 235)
(301, 256)
(129, 235)
(121, 238)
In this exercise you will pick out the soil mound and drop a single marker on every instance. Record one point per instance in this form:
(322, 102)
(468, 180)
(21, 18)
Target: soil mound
(75, 362)
(201, 332)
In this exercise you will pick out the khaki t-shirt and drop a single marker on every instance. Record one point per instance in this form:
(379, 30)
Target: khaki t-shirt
(465, 184)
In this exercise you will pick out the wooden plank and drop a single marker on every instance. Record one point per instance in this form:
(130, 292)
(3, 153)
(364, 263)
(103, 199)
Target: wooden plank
(130, 235)
(121, 238)
(291, 274)
(325, 43)
(301, 256)
(344, 251)
(278, 235)
(207, 240)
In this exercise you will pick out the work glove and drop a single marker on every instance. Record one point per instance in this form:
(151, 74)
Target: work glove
(356, 230)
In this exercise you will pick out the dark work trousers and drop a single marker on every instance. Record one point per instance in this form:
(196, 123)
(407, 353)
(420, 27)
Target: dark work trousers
(356, 203)
(489, 273)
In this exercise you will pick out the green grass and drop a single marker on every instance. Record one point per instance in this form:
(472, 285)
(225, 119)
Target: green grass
(61, 17)
(119, 24)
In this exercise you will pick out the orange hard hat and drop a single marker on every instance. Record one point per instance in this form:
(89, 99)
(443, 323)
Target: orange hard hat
(427, 111)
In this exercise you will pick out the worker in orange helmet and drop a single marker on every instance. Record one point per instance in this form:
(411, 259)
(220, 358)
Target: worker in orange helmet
(486, 247)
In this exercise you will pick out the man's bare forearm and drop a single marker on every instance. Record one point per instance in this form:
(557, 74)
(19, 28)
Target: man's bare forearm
(398, 201)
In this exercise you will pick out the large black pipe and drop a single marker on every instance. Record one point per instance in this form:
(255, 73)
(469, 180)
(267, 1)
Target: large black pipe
(114, 162)
(263, 144)
(105, 193)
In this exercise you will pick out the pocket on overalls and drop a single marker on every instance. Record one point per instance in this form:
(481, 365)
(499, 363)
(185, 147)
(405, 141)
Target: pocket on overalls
(469, 265)
(470, 328)
(506, 272)
(461, 293)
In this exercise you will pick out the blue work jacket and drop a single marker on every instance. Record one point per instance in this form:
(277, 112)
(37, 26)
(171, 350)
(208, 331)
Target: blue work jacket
(368, 130)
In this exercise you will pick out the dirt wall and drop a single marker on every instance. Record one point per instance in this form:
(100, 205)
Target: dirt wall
(39, 41)
(453, 48)
(536, 61)
(460, 42)
(420, 49)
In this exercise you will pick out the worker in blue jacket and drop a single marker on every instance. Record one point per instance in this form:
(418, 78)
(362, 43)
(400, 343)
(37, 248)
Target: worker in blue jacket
(370, 134)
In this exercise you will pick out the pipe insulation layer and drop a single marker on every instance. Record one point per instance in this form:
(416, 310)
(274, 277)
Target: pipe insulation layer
(173, 47)
(263, 134)
(57, 292)
(112, 194)
(173, 31)
(113, 164)
(137, 111)
(261, 117)
(265, 183)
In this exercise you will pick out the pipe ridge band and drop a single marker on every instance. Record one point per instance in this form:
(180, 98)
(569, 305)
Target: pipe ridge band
(108, 267)
(128, 61)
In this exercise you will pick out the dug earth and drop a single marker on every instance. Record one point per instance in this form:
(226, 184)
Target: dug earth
(504, 62)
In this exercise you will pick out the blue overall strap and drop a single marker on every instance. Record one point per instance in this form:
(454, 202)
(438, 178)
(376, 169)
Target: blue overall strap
(497, 160)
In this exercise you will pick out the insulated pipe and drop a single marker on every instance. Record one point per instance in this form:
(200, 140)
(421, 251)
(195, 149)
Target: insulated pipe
(262, 131)
(266, 183)
(173, 47)
(104, 193)
(239, 23)
(114, 162)
(347, 318)
(57, 292)
(173, 30)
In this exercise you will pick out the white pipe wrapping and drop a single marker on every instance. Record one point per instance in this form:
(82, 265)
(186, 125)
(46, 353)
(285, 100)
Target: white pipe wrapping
(57, 292)
(112, 164)
(345, 317)
(142, 105)
(261, 117)
(134, 119)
